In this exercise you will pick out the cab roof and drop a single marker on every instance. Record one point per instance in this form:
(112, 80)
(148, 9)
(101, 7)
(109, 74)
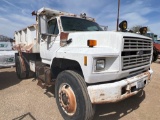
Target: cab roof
(53, 12)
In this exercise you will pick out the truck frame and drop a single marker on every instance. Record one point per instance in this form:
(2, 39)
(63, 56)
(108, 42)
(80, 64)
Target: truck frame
(87, 65)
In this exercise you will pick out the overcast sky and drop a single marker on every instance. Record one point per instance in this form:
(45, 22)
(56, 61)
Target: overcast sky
(16, 14)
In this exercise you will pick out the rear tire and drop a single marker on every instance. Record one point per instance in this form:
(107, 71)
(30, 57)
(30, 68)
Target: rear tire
(72, 97)
(19, 70)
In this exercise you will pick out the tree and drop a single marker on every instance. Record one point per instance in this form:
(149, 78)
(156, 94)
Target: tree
(136, 28)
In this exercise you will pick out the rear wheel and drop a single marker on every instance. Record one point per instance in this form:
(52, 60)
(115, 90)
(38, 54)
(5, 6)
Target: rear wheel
(72, 97)
(21, 74)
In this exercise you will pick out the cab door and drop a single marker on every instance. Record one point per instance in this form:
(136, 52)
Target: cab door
(49, 42)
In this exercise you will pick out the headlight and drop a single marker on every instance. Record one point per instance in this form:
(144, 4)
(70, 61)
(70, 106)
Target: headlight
(100, 64)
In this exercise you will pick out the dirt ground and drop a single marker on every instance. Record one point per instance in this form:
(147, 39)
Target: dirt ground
(24, 100)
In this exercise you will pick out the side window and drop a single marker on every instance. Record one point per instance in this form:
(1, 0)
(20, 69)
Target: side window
(53, 27)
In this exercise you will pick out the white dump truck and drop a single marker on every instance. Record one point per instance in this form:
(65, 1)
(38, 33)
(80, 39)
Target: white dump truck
(87, 65)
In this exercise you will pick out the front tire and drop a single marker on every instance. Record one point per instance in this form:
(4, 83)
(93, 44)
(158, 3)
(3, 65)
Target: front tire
(72, 97)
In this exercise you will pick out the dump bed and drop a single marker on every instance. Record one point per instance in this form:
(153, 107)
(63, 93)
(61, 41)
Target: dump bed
(26, 40)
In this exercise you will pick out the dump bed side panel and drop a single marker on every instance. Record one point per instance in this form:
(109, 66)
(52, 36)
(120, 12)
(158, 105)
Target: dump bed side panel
(26, 40)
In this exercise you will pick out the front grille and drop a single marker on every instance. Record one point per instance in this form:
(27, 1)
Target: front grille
(136, 52)
(134, 44)
(135, 61)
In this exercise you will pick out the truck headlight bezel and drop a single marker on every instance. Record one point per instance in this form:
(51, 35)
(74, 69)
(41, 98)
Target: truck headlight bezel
(100, 64)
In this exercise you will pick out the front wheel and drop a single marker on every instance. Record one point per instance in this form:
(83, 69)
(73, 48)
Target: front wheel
(72, 97)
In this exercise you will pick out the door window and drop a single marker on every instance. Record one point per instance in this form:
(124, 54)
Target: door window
(53, 27)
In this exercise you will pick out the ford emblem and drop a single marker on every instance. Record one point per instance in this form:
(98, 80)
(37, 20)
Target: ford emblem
(140, 53)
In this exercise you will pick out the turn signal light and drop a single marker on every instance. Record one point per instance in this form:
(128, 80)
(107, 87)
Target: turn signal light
(85, 60)
(92, 43)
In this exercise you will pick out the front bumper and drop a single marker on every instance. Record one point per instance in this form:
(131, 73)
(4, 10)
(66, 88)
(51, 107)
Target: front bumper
(116, 91)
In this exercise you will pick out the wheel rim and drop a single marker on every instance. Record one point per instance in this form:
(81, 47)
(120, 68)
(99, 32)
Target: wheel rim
(67, 99)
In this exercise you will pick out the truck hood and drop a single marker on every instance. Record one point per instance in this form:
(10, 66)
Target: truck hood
(110, 39)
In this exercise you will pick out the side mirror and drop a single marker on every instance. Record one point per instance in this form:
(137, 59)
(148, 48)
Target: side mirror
(43, 24)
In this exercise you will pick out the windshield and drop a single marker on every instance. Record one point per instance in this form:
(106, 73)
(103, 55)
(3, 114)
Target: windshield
(78, 24)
